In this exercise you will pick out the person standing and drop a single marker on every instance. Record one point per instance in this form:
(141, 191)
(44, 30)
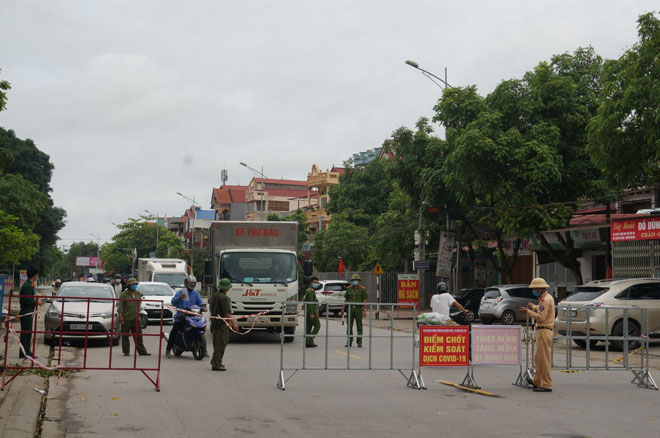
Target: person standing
(56, 286)
(28, 304)
(129, 309)
(313, 324)
(544, 314)
(442, 301)
(221, 306)
(117, 286)
(355, 293)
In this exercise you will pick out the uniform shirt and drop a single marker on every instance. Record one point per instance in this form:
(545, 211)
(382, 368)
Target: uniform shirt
(117, 287)
(310, 295)
(27, 303)
(544, 312)
(194, 299)
(129, 309)
(220, 306)
(356, 294)
(441, 303)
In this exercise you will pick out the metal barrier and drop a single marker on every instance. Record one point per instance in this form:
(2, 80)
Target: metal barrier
(81, 331)
(591, 324)
(413, 379)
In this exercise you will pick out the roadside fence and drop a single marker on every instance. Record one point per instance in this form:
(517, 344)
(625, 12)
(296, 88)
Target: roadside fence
(372, 342)
(81, 319)
(623, 327)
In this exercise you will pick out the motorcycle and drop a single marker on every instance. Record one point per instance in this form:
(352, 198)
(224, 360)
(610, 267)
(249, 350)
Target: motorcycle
(461, 318)
(192, 336)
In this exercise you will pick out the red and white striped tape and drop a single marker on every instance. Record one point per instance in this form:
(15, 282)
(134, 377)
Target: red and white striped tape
(226, 320)
(18, 341)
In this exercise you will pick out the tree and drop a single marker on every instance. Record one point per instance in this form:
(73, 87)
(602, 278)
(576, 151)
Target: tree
(4, 87)
(624, 136)
(342, 239)
(140, 235)
(66, 267)
(392, 242)
(16, 244)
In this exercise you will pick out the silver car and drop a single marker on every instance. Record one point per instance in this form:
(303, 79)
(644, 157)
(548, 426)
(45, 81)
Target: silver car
(503, 303)
(75, 316)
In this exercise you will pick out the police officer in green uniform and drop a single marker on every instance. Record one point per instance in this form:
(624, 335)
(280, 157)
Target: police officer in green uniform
(221, 306)
(128, 312)
(356, 293)
(313, 324)
(28, 304)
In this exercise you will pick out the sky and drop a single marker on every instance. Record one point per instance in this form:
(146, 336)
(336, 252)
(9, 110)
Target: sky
(136, 101)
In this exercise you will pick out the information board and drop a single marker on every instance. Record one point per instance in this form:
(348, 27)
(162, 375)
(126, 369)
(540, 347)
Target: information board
(444, 346)
(496, 345)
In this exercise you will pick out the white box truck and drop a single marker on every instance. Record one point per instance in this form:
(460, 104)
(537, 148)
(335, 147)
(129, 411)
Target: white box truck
(170, 271)
(261, 260)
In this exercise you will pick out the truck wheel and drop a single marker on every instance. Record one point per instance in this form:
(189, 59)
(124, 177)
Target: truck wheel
(288, 334)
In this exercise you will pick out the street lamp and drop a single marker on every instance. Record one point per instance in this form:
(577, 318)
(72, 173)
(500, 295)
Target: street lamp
(263, 206)
(98, 248)
(430, 75)
(157, 217)
(192, 244)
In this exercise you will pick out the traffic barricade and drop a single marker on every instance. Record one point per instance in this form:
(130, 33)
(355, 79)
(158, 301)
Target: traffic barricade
(588, 325)
(84, 321)
(406, 367)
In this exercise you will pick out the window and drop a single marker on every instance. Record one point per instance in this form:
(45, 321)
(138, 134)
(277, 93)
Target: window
(587, 293)
(334, 287)
(644, 291)
(520, 292)
(491, 293)
(259, 267)
(278, 205)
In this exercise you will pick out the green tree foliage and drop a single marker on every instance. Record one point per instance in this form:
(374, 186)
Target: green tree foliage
(16, 244)
(625, 134)
(66, 268)
(392, 243)
(342, 238)
(4, 87)
(141, 235)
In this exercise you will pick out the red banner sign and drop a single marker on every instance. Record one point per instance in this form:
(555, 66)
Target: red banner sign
(644, 228)
(444, 346)
(408, 288)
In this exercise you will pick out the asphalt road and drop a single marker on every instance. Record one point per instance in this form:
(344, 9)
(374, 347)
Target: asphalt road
(244, 401)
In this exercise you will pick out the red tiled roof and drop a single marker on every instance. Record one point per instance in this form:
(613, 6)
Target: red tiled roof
(228, 193)
(289, 182)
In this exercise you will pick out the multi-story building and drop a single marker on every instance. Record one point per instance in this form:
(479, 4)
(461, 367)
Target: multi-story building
(362, 158)
(279, 196)
(228, 202)
(318, 184)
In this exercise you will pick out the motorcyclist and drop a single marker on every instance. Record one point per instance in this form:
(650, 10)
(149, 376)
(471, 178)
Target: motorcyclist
(442, 301)
(185, 298)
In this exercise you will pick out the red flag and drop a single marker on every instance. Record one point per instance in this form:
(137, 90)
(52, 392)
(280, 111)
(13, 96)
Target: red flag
(341, 266)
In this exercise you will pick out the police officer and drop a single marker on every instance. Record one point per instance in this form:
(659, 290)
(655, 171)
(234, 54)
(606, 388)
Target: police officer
(28, 304)
(221, 306)
(544, 314)
(313, 324)
(356, 293)
(128, 312)
(56, 286)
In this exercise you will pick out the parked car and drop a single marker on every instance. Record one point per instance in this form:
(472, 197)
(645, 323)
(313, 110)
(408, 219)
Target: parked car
(75, 316)
(631, 293)
(503, 303)
(331, 296)
(470, 299)
(152, 290)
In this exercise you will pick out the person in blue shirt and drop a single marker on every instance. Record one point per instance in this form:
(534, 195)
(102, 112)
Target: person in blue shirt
(185, 298)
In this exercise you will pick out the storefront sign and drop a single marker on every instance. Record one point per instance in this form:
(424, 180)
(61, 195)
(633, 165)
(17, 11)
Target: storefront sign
(644, 228)
(408, 288)
(444, 346)
(496, 345)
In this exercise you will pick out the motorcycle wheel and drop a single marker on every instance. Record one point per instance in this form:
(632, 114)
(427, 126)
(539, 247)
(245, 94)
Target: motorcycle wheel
(199, 348)
(178, 351)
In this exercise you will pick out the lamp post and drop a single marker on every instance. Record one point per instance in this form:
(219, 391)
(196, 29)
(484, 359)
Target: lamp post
(192, 244)
(157, 217)
(255, 171)
(98, 249)
(430, 75)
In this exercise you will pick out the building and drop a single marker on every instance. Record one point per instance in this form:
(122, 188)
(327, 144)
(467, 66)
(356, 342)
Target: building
(318, 184)
(228, 202)
(362, 158)
(280, 196)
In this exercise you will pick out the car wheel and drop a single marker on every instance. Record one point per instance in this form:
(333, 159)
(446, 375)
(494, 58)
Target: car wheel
(582, 343)
(322, 310)
(48, 340)
(469, 316)
(289, 332)
(115, 341)
(633, 331)
(508, 317)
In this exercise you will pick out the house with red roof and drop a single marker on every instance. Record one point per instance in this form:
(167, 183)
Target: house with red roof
(228, 202)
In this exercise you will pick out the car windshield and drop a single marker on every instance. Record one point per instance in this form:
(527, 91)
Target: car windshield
(174, 280)
(259, 267)
(587, 293)
(83, 291)
(155, 290)
(491, 294)
(334, 287)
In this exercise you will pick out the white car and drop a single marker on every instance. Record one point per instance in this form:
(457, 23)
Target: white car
(331, 295)
(153, 290)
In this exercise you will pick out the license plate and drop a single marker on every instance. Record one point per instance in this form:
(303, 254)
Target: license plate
(78, 326)
(257, 318)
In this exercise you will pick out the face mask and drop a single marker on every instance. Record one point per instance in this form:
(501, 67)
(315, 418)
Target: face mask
(536, 293)
(133, 287)
(354, 282)
(117, 281)
(316, 285)
(190, 288)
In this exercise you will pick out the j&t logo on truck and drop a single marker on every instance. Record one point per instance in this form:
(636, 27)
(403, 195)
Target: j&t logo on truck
(251, 293)
(257, 232)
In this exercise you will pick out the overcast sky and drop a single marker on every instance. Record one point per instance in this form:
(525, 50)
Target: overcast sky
(137, 100)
